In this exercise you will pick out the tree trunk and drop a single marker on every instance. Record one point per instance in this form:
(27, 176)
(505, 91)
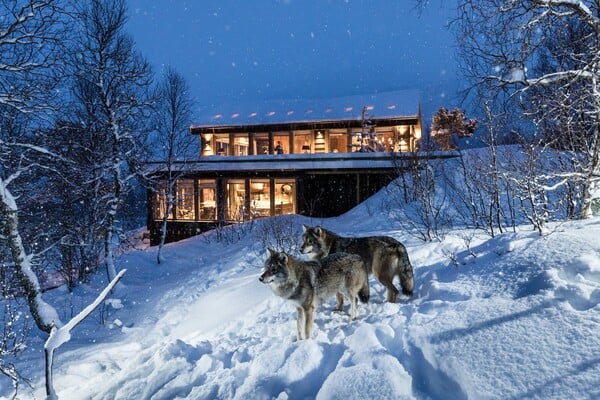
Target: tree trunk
(44, 315)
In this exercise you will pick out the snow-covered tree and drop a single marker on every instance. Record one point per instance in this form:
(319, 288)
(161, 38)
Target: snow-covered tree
(448, 126)
(112, 84)
(515, 50)
(77, 200)
(173, 143)
(31, 38)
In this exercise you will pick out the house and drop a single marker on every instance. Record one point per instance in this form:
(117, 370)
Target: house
(315, 158)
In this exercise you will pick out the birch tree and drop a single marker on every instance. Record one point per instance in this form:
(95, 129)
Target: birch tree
(174, 144)
(502, 41)
(112, 84)
(31, 34)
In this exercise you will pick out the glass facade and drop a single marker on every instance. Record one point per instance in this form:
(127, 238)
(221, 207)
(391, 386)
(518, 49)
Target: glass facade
(243, 199)
(400, 138)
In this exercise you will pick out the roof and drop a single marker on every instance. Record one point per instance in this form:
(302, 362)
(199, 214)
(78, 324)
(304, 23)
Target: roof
(399, 105)
(298, 162)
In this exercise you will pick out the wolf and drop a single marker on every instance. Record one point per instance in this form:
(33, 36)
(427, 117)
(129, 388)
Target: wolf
(309, 283)
(384, 256)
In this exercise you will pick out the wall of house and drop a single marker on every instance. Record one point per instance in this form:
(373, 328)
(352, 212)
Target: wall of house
(397, 138)
(319, 194)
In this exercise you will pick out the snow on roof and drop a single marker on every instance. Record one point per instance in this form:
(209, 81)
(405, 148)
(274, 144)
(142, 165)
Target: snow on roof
(395, 104)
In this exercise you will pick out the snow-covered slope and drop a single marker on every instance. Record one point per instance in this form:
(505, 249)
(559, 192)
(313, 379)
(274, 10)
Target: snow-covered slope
(517, 318)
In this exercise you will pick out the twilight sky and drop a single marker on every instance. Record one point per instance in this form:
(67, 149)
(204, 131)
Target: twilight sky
(242, 51)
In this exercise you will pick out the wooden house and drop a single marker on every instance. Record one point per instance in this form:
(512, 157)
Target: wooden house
(318, 158)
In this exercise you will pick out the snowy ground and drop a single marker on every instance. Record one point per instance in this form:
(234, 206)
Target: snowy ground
(518, 318)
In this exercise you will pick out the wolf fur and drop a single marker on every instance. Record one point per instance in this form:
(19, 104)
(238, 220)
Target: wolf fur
(384, 256)
(309, 283)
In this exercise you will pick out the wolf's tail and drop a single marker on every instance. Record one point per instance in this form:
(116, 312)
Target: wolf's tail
(364, 293)
(405, 271)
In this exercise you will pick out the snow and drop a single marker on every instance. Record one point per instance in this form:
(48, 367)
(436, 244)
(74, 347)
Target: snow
(518, 317)
(390, 104)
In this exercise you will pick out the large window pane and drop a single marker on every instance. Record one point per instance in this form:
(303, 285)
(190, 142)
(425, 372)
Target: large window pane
(303, 142)
(281, 143)
(207, 199)
(160, 201)
(285, 195)
(260, 198)
(338, 142)
(384, 140)
(261, 143)
(241, 145)
(184, 200)
(235, 200)
(222, 145)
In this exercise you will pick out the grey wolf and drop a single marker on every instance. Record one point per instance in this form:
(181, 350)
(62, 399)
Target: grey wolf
(384, 256)
(309, 283)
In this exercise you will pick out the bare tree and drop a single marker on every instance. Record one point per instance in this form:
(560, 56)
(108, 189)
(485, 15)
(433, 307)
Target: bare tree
(14, 329)
(173, 143)
(418, 197)
(31, 34)
(77, 200)
(502, 40)
(112, 84)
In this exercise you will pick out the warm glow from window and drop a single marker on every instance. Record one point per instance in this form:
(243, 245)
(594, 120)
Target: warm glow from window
(184, 200)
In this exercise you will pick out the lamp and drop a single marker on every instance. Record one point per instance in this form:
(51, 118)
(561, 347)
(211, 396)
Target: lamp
(206, 141)
(286, 189)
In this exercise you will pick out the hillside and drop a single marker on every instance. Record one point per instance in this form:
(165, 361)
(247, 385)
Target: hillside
(517, 318)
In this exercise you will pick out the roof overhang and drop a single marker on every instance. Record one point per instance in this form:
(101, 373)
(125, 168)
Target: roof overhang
(299, 162)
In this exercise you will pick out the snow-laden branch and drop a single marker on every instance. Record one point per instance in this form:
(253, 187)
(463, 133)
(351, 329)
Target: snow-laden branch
(60, 336)
(519, 76)
(577, 6)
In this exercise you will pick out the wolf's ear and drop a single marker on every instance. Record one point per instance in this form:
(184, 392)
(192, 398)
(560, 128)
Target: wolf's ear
(284, 258)
(318, 231)
(305, 228)
(271, 251)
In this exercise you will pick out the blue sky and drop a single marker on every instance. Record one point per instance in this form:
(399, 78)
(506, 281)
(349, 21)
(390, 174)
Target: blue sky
(239, 51)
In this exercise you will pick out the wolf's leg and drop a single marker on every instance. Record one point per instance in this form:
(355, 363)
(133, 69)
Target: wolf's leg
(339, 301)
(300, 323)
(383, 271)
(353, 305)
(309, 320)
(386, 278)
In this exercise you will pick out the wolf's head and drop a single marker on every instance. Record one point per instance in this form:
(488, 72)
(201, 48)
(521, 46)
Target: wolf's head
(276, 268)
(313, 242)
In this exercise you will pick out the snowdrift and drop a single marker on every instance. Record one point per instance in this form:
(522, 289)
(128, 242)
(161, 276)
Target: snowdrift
(515, 316)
